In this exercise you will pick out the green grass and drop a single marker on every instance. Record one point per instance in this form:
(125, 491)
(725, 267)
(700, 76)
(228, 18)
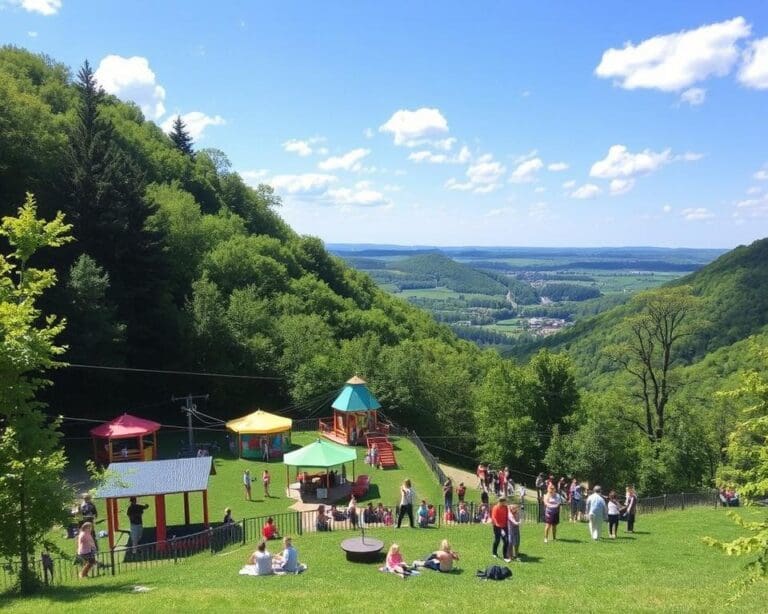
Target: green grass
(662, 567)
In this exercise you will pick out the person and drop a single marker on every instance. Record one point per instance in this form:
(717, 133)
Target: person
(499, 515)
(47, 563)
(481, 471)
(352, 511)
(88, 510)
(247, 484)
(463, 513)
(228, 516)
(513, 532)
(448, 493)
(552, 502)
(262, 559)
(461, 492)
(375, 455)
(630, 508)
(407, 495)
(380, 512)
(265, 448)
(574, 498)
(483, 514)
(449, 516)
(442, 559)
(369, 514)
(484, 497)
(540, 485)
(522, 494)
(135, 516)
(423, 514)
(265, 480)
(614, 511)
(288, 561)
(431, 514)
(269, 530)
(395, 563)
(595, 512)
(503, 481)
(86, 548)
(323, 522)
(388, 520)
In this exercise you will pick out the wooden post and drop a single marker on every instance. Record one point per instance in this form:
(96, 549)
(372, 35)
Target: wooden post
(110, 523)
(115, 517)
(141, 447)
(154, 445)
(186, 508)
(160, 518)
(205, 509)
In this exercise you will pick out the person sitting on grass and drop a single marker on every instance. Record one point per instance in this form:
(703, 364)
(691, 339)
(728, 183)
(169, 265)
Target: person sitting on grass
(442, 560)
(380, 512)
(288, 561)
(395, 563)
(431, 514)
(269, 531)
(449, 516)
(483, 514)
(369, 514)
(423, 515)
(463, 512)
(323, 522)
(388, 518)
(262, 560)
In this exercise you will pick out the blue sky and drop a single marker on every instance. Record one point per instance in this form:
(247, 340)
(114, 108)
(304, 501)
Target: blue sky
(454, 123)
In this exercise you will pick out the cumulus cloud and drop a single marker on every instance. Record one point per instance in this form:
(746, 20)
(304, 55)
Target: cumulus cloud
(42, 7)
(359, 196)
(304, 147)
(673, 62)
(412, 128)
(556, 167)
(694, 96)
(753, 207)
(540, 212)
(196, 123)
(587, 191)
(695, 214)
(666, 208)
(526, 171)
(754, 67)
(462, 157)
(620, 162)
(761, 174)
(132, 79)
(567, 185)
(303, 183)
(350, 161)
(254, 177)
(483, 176)
(621, 186)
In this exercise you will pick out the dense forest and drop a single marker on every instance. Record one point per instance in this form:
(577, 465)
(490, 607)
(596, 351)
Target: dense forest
(178, 265)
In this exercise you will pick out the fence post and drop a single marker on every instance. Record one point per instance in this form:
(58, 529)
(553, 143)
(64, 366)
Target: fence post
(112, 561)
(244, 537)
(682, 500)
(665, 502)
(298, 522)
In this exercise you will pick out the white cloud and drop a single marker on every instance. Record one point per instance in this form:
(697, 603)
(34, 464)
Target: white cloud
(587, 191)
(666, 208)
(132, 79)
(754, 67)
(303, 147)
(556, 167)
(753, 207)
(196, 123)
(304, 183)
(526, 171)
(32, 34)
(444, 144)
(254, 177)
(42, 7)
(350, 161)
(391, 187)
(427, 156)
(500, 211)
(761, 174)
(362, 197)
(540, 212)
(621, 186)
(694, 96)
(567, 185)
(453, 184)
(755, 189)
(411, 128)
(695, 214)
(368, 133)
(673, 62)
(689, 156)
(621, 163)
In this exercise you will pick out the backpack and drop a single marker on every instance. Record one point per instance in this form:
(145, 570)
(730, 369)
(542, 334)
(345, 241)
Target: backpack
(494, 572)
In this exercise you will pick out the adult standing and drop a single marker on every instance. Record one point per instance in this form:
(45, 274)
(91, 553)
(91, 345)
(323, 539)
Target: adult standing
(461, 492)
(574, 497)
(88, 510)
(266, 479)
(595, 511)
(481, 471)
(614, 512)
(448, 493)
(407, 495)
(135, 517)
(540, 485)
(247, 484)
(630, 505)
(552, 503)
(499, 517)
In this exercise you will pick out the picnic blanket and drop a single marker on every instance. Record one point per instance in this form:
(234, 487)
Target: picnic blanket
(411, 571)
(250, 570)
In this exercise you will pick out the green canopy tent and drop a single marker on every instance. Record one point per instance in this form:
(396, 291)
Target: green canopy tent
(321, 454)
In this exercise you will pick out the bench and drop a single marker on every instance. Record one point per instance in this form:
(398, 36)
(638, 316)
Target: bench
(360, 487)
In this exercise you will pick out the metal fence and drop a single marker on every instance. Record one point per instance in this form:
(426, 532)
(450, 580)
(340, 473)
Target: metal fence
(428, 457)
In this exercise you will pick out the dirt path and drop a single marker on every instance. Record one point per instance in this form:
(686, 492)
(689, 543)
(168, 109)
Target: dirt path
(460, 475)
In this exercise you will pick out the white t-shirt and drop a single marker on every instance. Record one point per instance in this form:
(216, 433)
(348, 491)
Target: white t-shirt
(613, 508)
(263, 563)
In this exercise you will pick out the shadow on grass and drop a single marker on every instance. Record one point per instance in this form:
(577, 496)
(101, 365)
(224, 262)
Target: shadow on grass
(566, 540)
(641, 533)
(526, 558)
(73, 593)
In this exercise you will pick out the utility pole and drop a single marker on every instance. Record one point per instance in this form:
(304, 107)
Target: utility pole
(189, 408)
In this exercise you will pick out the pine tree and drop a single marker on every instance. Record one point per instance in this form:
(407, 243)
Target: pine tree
(180, 137)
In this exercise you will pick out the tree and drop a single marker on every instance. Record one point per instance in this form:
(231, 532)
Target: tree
(648, 353)
(33, 495)
(747, 470)
(180, 137)
(555, 390)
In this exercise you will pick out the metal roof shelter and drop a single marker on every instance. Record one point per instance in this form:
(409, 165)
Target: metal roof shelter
(125, 427)
(155, 479)
(261, 434)
(320, 454)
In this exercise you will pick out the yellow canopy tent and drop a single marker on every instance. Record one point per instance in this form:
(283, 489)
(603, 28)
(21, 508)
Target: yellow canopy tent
(262, 435)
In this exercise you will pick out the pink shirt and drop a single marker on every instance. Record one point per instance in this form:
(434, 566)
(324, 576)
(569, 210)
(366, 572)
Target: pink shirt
(85, 543)
(394, 559)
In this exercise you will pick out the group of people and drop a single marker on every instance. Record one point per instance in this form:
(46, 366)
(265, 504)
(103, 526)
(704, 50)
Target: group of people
(497, 482)
(266, 480)
(440, 560)
(266, 564)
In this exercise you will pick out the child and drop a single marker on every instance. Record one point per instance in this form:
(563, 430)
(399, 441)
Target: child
(483, 514)
(461, 491)
(448, 516)
(513, 532)
(431, 514)
(395, 563)
(265, 480)
(388, 520)
(247, 484)
(463, 514)
(423, 514)
(614, 512)
(270, 530)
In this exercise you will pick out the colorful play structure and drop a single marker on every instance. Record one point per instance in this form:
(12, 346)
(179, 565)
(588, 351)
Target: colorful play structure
(356, 421)
(261, 435)
(123, 440)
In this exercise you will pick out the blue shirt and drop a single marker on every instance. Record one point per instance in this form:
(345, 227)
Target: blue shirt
(290, 559)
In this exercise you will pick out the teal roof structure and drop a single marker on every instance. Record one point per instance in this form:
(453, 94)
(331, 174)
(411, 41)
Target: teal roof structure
(322, 453)
(355, 397)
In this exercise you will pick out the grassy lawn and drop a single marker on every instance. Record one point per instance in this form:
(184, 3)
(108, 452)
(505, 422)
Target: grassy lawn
(662, 567)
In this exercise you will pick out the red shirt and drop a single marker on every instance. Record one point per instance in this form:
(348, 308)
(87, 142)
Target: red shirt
(269, 530)
(499, 514)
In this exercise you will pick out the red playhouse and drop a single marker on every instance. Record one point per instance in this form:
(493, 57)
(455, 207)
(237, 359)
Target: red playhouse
(122, 439)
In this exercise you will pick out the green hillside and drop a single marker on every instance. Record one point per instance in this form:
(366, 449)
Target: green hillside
(448, 273)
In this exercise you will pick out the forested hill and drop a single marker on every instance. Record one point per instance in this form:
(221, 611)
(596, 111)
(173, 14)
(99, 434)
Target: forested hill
(178, 264)
(734, 293)
(441, 270)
